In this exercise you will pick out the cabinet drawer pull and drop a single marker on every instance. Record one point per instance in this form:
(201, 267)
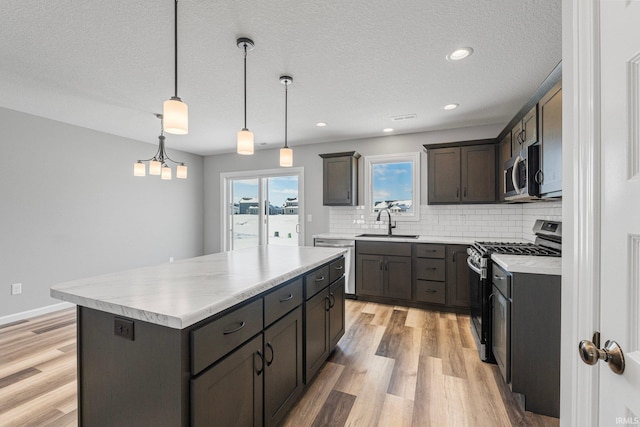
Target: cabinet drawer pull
(319, 279)
(270, 347)
(431, 268)
(495, 276)
(339, 267)
(261, 367)
(332, 300)
(430, 291)
(234, 330)
(290, 297)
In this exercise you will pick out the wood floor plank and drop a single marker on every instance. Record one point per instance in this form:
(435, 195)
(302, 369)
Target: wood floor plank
(335, 410)
(306, 410)
(430, 402)
(368, 404)
(451, 348)
(396, 411)
(18, 376)
(430, 342)
(464, 331)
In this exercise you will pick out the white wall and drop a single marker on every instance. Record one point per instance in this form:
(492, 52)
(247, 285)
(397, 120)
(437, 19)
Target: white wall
(307, 156)
(70, 207)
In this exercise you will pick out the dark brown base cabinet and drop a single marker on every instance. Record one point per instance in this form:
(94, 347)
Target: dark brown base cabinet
(383, 270)
(422, 274)
(242, 367)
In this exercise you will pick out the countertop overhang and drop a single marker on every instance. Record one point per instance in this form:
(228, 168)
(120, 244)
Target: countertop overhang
(529, 264)
(184, 292)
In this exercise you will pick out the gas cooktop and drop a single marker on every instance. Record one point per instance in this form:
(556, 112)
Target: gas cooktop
(518, 249)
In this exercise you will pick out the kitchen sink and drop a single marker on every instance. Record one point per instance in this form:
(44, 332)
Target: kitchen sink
(392, 236)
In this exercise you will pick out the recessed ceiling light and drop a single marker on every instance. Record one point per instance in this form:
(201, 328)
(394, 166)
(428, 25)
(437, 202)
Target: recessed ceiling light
(321, 124)
(387, 130)
(450, 107)
(459, 54)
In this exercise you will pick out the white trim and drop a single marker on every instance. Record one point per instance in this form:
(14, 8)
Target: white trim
(581, 209)
(414, 158)
(264, 173)
(35, 312)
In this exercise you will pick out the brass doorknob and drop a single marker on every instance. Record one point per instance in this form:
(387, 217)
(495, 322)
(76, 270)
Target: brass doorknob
(611, 353)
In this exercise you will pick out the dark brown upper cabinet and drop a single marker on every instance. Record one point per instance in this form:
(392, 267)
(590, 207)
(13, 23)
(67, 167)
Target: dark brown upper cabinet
(525, 132)
(462, 173)
(550, 175)
(340, 179)
(504, 154)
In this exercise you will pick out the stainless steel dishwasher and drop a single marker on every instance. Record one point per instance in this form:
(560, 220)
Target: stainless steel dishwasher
(349, 258)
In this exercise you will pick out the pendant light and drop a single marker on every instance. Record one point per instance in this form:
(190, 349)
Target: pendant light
(175, 112)
(245, 136)
(286, 153)
(158, 163)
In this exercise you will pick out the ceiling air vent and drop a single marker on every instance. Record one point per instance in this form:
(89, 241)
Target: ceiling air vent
(403, 117)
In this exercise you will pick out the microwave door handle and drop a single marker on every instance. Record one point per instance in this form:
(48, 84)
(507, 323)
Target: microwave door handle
(513, 175)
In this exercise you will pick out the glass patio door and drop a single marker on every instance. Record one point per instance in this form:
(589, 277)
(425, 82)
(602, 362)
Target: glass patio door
(262, 208)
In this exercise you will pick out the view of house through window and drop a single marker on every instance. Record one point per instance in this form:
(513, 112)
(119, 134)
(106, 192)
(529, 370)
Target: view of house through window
(392, 181)
(262, 210)
(392, 186)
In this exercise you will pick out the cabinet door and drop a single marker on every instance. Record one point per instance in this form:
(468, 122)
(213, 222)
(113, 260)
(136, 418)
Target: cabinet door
(504, 154)
(283, 366)
(444, 175)
(478, 173)
(398, 277)
(369, 275)
(316, 329)
(517, 137)
(551, 139)
(336, 314)
(338, 188)
(230, 393)
(530, 127)
(458, 276)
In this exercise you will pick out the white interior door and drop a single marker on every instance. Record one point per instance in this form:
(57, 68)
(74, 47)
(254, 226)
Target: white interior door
(620, 203)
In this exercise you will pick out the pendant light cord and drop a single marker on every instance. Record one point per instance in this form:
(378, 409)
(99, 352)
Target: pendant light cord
(286, 110)
(175, 48)
(245, 86)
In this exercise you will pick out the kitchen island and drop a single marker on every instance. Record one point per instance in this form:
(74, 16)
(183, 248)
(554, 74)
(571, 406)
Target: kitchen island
(224, 339)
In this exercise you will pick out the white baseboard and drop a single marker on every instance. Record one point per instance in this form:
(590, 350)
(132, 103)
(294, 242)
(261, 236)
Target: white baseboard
(35, 312)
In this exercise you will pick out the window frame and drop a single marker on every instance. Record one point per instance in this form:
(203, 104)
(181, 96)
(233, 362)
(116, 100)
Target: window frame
(414, 159)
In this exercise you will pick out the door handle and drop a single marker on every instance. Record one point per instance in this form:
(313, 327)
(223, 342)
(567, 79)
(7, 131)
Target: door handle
(590, 353)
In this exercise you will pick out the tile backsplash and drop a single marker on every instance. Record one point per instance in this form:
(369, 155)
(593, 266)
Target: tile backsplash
(505, 221)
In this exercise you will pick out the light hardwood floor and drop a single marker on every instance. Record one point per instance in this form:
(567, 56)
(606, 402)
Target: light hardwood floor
(395, 366)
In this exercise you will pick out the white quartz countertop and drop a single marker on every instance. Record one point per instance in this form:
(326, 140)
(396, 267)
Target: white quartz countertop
(184, 292)
(455, 240)
(529, 264)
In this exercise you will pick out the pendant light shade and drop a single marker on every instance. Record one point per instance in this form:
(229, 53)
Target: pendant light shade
(177, 116)
(286, 153)
(174, 111)
(286, 157)
(245, 142)
(245, 136)
(158, 163)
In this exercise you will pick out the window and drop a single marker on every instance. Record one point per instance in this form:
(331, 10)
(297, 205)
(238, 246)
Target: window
(278, 222)
(392, 182)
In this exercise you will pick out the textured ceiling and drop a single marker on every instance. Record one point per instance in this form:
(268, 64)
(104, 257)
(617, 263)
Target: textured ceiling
(108, 65)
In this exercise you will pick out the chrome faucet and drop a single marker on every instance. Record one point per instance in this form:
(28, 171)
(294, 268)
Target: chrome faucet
(389, 214)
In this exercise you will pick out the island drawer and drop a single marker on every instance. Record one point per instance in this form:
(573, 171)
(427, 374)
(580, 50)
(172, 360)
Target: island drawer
(336, 270)
(281, 301)
(430, 251)
(429, 291)
(430, 269)
(212, 341)
(316, 281)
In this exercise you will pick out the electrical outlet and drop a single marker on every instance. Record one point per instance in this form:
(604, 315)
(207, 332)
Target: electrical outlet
(16, 288)
(123, 328)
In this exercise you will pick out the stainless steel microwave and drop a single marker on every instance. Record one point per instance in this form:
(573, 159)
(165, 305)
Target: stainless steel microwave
(520, 173)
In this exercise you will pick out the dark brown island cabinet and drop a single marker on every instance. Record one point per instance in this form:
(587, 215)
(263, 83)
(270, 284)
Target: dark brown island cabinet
(462, 172)
(245, 366)
(340, 179)
(427, 275)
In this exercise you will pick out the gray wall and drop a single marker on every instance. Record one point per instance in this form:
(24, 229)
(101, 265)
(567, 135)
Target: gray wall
(71, 207)
(307, 156)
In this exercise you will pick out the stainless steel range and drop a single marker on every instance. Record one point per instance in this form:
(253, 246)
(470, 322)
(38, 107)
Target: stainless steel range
(548, 243)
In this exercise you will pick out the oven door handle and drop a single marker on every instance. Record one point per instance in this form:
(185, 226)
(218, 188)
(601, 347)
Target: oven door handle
(473, 267)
